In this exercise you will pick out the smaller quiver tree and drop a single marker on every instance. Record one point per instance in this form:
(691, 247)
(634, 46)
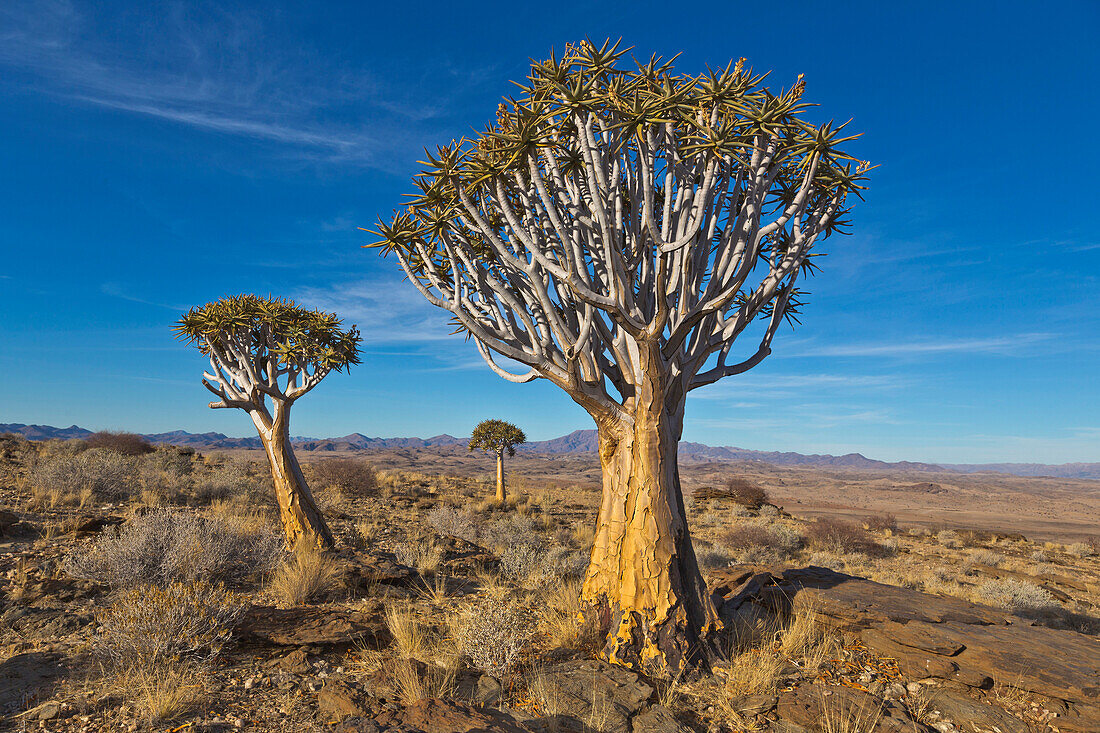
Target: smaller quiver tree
(497, 436)
(264, 354)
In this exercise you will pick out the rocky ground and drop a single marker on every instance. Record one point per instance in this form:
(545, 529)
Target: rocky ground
(443, 612)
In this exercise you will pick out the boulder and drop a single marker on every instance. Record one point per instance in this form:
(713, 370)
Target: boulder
(338, 700)
(600, 694)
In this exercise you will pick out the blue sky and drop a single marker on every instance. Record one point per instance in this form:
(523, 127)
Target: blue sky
(159, 155)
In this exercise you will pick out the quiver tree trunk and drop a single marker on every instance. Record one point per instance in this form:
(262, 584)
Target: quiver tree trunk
(500, 476)
(301, 519)
(644, 580)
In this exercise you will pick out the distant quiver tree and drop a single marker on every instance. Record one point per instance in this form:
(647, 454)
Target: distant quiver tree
(497, 437)
(615, 231)
(264, 354)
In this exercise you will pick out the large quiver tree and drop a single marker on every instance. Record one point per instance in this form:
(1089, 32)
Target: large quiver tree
(264, 354)
(615, 231)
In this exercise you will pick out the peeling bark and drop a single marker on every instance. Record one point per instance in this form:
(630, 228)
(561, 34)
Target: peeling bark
(643, 576)
(301, 519)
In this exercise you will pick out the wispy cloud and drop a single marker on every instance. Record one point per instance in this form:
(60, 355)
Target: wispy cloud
(386, 311)
(116, 291)
(347, 145)
(1001, 345)
(220, 72)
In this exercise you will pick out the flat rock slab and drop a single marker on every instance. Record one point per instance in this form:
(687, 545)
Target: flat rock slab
(931, 636)
(446, 716)
(657, 719)
(364, 569)
(602, 695)
(845, 602)
(28, 678)
(973, 716)
(842, 708)
(315, 625)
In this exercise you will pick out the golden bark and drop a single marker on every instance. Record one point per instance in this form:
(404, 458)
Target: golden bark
(500, 476)
(644, 580)
(301, 519)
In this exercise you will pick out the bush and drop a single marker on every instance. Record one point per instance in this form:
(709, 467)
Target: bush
(949, 538)
(988, 558)
(422, 554)
(349, 476)
(514, 530)
(881, 522)
(229, 479)
(836, 535)
(151, 626)
(172, 545)
(167, 473)
(127, 444)
(781, 540)
(746, 493)
(104, 473)
(494, 634)
(1019, 597)
(1081, 550)
(453, 522)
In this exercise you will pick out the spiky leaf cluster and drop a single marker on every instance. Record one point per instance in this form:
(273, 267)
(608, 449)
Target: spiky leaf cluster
(626, 188)
(494, 436)
(293, 334)
(253, 342)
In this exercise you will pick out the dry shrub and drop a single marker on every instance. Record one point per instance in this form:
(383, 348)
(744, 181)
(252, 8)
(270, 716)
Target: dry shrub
(423, 554)
(949, 538)
(1080, 550)
(881, 522)
(989, 558)
(494, 634)
(454, 522)
(754, 672)
(152, 627)
(836, 535)
(349, 476)
(127, 444)
(1019, 597)
(169, 545)
(746, 493)
(227, 480)
(308, 574)
(106, 474)
(759, 543)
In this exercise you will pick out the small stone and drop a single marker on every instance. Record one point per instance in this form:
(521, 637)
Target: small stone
(313, 685)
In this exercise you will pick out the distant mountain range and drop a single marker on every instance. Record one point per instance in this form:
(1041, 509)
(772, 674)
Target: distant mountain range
(579, 441)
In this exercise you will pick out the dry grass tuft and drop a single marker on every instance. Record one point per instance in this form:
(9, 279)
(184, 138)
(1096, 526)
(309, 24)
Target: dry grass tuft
(309, 573)
(423, 554)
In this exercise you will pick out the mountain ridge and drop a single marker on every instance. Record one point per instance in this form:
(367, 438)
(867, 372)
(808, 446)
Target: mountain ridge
(578, 441)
